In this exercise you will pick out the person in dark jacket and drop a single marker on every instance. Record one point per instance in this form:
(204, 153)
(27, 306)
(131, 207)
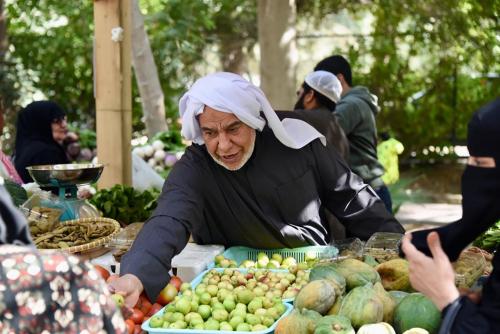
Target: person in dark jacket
(41, 128)
(248, 179)
(430, 251)
(356, 112)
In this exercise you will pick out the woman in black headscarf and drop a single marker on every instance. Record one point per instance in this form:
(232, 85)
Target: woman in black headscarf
(41, 128)
(50, 291)
(430, 252)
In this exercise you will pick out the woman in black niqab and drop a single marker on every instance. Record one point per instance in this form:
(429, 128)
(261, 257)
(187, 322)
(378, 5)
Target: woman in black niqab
(481, 209)
(35, 143)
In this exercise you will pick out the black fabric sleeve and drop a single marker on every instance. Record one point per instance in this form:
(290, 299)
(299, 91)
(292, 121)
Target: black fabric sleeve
(150, 257)
(469, 319)
(166, 233)
(353, 202)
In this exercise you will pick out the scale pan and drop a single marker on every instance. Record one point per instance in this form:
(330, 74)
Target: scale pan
(64, 175)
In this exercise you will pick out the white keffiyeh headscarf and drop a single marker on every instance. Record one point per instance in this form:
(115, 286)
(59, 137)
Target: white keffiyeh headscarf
(231, 93)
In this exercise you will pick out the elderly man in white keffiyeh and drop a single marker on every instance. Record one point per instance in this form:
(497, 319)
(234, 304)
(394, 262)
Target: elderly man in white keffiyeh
(248, 179)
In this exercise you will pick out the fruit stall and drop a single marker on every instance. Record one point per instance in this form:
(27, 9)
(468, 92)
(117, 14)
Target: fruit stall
(347, 287)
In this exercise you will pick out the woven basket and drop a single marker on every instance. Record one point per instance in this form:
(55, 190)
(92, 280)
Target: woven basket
(97, 243)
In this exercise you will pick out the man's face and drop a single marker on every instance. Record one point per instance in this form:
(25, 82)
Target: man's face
(229, 141)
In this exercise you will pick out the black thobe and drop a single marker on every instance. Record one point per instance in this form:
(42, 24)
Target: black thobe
(326, 123)
(273, 201)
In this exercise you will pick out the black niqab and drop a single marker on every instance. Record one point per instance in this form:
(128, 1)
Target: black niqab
(480, 187)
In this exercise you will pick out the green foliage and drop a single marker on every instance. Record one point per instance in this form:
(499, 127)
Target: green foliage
(52, 47)
(426, 60)
(126, 204)
(172, 140)
(86, 138)
(440, 50)
(490, 239)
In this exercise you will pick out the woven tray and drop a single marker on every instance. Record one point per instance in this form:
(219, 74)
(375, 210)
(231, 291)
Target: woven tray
(96, 243)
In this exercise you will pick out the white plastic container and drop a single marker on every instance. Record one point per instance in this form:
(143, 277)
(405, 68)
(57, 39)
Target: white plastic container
(194, 259)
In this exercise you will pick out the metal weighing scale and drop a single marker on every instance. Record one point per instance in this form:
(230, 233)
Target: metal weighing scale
(66, 178)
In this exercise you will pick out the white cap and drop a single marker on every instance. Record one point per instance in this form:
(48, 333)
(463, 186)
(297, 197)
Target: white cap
(325, 83)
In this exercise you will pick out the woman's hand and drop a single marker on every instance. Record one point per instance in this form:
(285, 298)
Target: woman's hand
(434, 277)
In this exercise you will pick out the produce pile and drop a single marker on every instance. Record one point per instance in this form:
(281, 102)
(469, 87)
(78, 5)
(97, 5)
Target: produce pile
(351, 296)
(490, 239)
(69, 234)
(228, 300)
(276, 261)
(162, 151)
(125, 204)
(369, 294)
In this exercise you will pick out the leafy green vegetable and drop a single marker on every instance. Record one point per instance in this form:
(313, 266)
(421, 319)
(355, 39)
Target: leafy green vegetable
(126, 204)
(16, 192)
(490, 239)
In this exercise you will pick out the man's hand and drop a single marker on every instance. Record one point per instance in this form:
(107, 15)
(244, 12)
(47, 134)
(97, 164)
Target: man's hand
(129, 286)
(434, 277)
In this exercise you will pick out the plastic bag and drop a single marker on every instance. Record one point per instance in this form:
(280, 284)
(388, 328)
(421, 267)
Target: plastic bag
(144, 176)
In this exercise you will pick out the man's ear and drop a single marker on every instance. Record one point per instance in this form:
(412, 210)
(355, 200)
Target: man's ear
(341, 78)
(309, 96)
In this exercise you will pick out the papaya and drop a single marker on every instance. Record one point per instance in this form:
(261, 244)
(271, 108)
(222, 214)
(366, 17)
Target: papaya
(317, 295)
(334, 310)
(370, 260)
(416, 310)
(395, 275)
(298, 322)
(331, 274)
(387, 301)
(357, 273)
(398, 295)
(380, 328)
(362, 306)
(334, 324)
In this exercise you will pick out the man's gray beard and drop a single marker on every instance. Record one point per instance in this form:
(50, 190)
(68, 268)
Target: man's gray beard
(246, 157)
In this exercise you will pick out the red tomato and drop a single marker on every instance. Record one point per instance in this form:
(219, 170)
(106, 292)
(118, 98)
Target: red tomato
(143, 304)
(130, 326)
(146, 319)
(167, 294)
(176, 281)
(103, 271)
(137, 316)
(155, 308)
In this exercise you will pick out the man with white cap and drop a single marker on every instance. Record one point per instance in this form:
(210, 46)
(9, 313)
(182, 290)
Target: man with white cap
(317, 99)
(356, 112)
(248, 179)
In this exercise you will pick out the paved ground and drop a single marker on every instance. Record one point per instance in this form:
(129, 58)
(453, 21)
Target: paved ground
(421, 215)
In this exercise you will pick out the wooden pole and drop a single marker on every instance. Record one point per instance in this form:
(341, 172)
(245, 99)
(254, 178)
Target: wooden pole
(112, 90)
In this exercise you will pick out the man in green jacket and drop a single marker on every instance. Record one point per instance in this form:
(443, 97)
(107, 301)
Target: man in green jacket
(356, 113)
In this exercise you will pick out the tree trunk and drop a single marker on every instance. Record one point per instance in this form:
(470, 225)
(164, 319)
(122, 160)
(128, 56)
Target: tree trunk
(4, 43)
(233, 57)
(146, 74)
(278, 51)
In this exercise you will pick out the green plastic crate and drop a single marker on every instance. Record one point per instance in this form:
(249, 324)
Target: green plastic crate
(239, 253)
